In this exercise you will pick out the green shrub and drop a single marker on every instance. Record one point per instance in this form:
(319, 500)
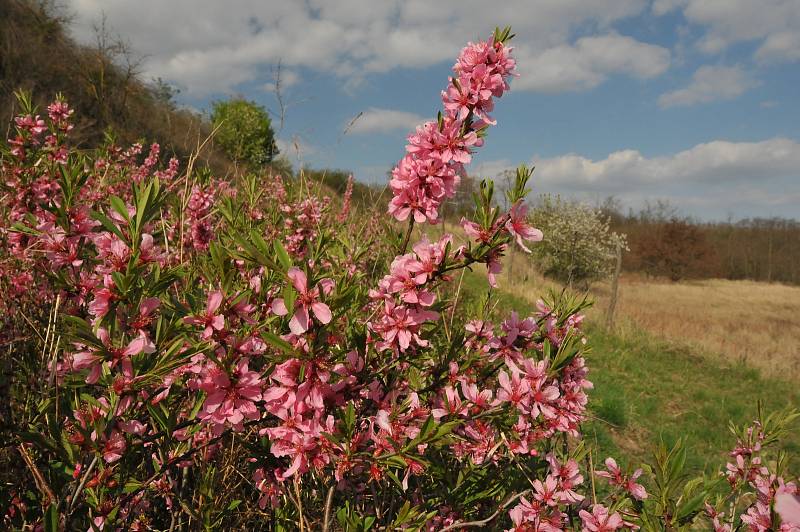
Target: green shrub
(244, 131)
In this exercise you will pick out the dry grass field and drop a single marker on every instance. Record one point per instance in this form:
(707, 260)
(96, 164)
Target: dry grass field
(742, 321)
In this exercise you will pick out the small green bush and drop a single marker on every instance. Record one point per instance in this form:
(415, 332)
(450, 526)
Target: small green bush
(244, 131)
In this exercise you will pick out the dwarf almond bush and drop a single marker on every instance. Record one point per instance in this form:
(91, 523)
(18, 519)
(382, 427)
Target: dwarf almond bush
(193, 353)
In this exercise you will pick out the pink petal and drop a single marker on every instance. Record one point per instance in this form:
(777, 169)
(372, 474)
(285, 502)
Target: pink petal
(788, 507)
(148, 305)
(279, 307)
(94, 374)
(299, 322)
(102, 334)
(298, 278)
(322, 312)
(83, 360)
(214, 301)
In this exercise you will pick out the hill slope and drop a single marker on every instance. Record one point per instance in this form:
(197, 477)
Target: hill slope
(102, 83)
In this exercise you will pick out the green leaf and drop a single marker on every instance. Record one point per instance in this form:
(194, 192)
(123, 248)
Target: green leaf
(118, 205)
(51, 518)
(289, 297)
(278, 342)
(108, 224)
(131, 485)
(141, 206)
(234, 504)
(159, 416)
(283, 255)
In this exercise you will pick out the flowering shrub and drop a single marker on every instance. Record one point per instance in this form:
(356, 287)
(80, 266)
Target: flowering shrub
(580, 247)
(249, 356)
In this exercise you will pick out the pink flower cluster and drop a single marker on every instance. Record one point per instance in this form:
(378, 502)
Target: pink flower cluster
(404, 296)
(299, 406)
(302, 219)
(749, 471)
(346, 200)
(628, 483)
(546, 403)
(438, 151)
(231, 398)
(198, 216)
(283, 354)
(544, 509)
(308, 302)
(514, 223)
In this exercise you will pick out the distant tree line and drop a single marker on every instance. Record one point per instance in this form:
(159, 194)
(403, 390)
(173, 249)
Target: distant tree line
(664, 243)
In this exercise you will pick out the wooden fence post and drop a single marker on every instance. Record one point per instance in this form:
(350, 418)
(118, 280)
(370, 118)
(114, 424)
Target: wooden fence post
(614, 287)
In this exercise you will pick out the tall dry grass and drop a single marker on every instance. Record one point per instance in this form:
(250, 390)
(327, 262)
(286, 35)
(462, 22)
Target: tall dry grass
(740, 321)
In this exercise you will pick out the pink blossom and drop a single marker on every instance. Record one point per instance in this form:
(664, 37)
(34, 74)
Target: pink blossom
(516, 328)
(93, 358)
(518, 227)
(114, 447)
(514, 390)
(209, 320)
(636, 490)
(399, 326)
(437, 151)
(452, 405)
(231, 399)
(307, 299)
(599, 520)
(568, 476)
(103, 297)
(614, 473)
(480, 399)
(546, 492)
(759, 517)
(346, 199)
(616, 477)
(270, 490)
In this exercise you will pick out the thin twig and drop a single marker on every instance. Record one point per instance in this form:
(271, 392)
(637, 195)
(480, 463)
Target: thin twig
(591, 478)
(33, 326)
(41, 483)
(471, 524)
(299, 502)
(328, 504)
(80, 485)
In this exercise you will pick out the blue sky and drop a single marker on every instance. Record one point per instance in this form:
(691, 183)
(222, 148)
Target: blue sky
(693, 101)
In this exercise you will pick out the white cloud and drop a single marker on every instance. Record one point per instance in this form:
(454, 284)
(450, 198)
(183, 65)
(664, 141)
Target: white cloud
(375, 120)
(775, 23)
(710, 83)
(783, 46)
(588, 62)
(718, 162)
(711, 180)
(662, 7)
(209, 46)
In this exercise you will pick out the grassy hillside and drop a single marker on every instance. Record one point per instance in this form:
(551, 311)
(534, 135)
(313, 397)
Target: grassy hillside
(102, 83)
(647, 388)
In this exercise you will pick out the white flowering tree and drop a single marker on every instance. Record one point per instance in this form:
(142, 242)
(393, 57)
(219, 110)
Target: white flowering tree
(579, 246)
